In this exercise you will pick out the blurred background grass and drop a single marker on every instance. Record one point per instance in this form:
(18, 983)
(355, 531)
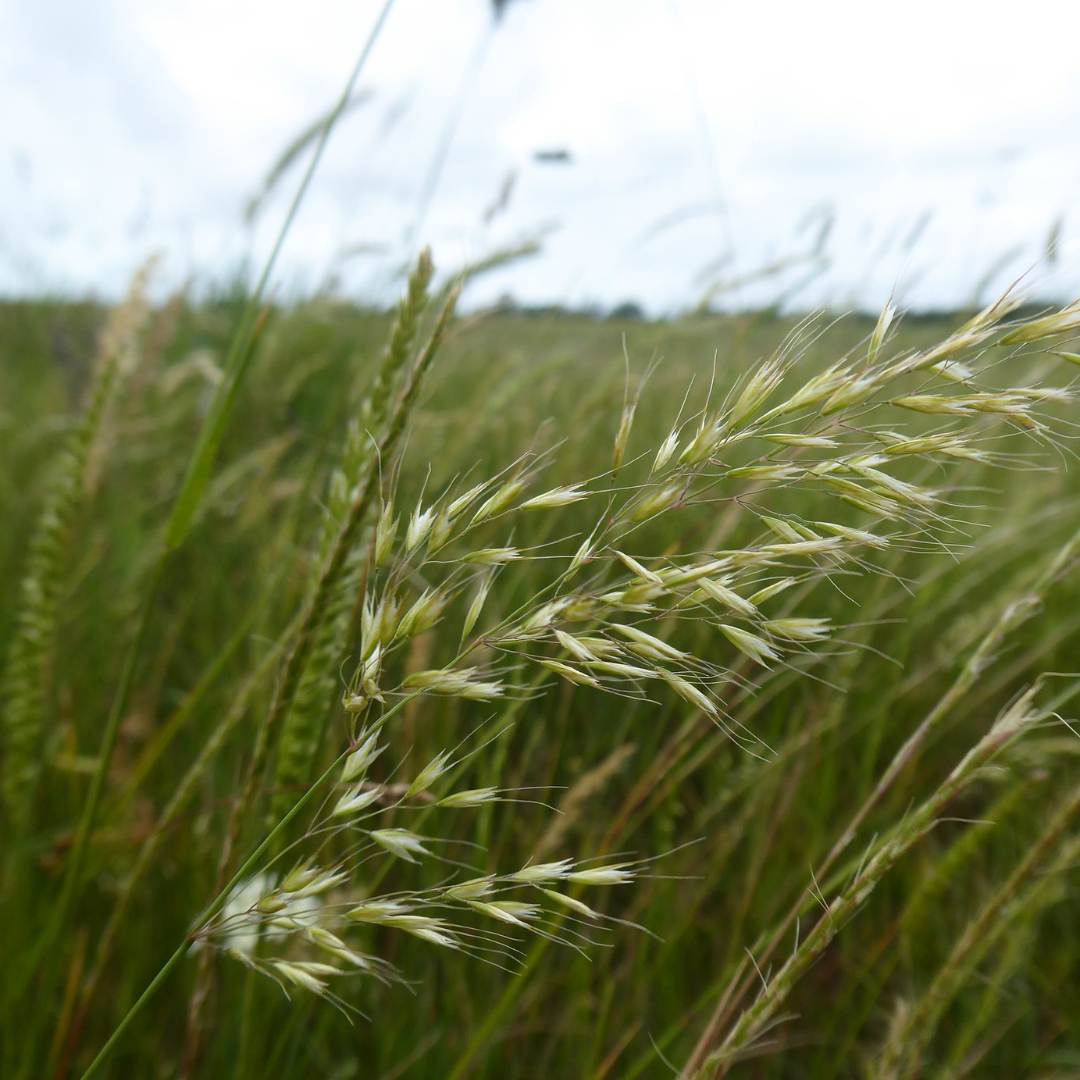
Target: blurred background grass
(630, 776)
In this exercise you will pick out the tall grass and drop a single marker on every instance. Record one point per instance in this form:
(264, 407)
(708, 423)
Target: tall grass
(521, 709)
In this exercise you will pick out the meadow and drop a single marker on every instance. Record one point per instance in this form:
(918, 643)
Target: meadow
(516, 695)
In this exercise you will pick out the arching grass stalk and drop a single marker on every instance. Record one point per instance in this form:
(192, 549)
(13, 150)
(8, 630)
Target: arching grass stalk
(1014, 615)
(200, 465)
(901, 1056)
(760, 1016)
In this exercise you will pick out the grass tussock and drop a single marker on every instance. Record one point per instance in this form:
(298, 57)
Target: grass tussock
(513, 700)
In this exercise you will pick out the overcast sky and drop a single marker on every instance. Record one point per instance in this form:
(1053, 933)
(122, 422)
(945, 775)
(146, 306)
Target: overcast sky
(927, 147)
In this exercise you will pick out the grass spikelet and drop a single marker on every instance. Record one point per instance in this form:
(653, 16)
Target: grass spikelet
(757, 648)
(470, 797)
(756, 392)
(461, 682)
(1065, 321)
(798, 629)
(689, 693)
(881, 332)
(477, 605)
(626, 422)
(385, 534)
(560, 496)
(497, 503)
(400, 843)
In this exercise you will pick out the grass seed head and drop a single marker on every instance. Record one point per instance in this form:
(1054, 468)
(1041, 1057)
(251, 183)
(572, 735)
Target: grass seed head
(779, 473)
(583, 554)
(690, 693)
(577, 649)
(855, 536)
(299, 976)
(816, 389)
(332, 944)
(457, 682)
(614, 874)
(401, 843)
(495, 556)
(356, 764)
(807, 441)
(464, 500)
(667, 449)
(822, 546)
(424, 614)
(579, 907)
(369, 678)
(434, 931)
(648, 646)
(514, 912)
(881, 332)
(419, 527)
(441, 530)
(541, 873)
(1065, 321)
(559, 496)
(355, 800)
(312, 883)
(757, 390)
(571, 673)
(771, 590)
(477, 605)
(757, 648)
(622, 671)
(657, 502)
(429, 773)
(385, 534)
(782, 529)
(500, 500)
(702, 445)
(626, 422)
(799, 629)
(638, 570)
(470, 797)
(377, 911)
(471, 890)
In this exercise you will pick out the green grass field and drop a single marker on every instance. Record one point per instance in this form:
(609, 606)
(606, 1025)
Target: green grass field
(846, 827)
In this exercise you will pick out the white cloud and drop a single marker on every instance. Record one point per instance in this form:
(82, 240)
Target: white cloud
(129, 125)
